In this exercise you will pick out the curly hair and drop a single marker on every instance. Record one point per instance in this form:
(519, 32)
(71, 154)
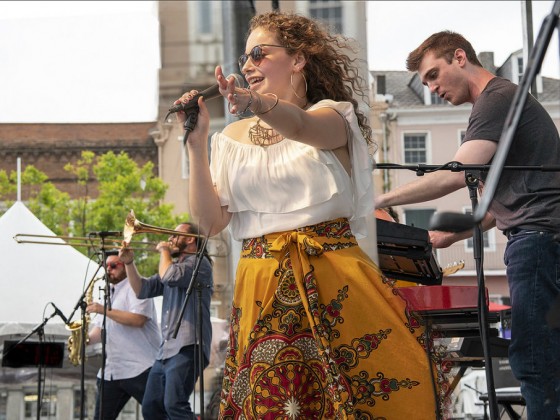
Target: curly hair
(442, 44)
(330, 73)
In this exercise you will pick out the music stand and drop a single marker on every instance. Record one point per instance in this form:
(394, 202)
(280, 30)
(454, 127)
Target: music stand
(34, 355)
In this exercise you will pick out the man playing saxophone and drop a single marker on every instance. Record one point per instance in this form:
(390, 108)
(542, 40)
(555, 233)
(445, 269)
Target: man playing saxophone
(132, 342)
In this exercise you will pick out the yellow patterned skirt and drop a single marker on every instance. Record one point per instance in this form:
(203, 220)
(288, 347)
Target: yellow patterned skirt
(317, 332)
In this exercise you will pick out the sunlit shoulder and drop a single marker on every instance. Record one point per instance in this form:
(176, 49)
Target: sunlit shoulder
(237, 130)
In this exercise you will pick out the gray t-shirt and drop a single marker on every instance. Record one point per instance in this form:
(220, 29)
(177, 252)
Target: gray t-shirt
(173, 288)
(524, 198)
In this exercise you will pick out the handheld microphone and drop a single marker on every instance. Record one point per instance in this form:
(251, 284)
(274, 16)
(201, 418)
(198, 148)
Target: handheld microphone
(209, 93)
(59, 313)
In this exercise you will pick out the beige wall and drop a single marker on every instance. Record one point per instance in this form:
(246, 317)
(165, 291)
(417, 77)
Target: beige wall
(443, 125)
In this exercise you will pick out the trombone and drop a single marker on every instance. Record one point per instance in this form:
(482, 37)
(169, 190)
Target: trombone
(80, 241)
(217, 247)
(132, 226)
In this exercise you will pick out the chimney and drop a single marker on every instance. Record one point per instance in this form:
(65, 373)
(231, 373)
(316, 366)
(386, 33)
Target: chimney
(487, 60)
(381, 88)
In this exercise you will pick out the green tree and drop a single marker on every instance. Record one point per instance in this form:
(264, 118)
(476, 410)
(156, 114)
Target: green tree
(7, 187)
(42, 198)
(122, 185)
(83, 171)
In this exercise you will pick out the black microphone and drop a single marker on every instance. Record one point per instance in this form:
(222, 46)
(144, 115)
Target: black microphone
(59, 313)
(209, 93)
(105, 233)
(451, 222)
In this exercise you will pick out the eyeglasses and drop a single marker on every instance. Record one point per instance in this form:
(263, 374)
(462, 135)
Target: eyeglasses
(114, 265)
(256, 55)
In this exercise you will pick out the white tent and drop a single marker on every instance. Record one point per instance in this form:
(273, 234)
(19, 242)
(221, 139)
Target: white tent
(34, 274)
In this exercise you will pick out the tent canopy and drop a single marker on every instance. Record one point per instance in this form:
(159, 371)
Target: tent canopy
(33, 275)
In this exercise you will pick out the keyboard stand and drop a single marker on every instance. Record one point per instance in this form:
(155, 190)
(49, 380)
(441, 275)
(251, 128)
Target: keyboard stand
(507, 398)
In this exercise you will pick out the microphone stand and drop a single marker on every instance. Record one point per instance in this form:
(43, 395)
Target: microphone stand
(478, 246)
(106, 304)
(199, 286)
(82, 305)
(457, 222)
(471, 181)
(40, 330)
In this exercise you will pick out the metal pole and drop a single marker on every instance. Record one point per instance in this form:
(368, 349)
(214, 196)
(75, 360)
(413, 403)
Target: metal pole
(527, 22)
(235, 22)
(235, 18)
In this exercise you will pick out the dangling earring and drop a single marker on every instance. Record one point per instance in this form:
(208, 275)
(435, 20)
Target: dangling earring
(294, 89)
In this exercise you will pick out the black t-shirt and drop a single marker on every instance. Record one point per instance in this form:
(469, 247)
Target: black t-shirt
(524, 198)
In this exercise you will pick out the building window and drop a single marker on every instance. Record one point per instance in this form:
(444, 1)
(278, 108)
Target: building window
(48, 405)
(204, 17)
(486, 238)
(215, 308)
(419, 218)
(415, 147)
(462, 134)
(3, 405)
(185, 164)
(436, 100)
(77, 409)
(329, 11)
(519, 68)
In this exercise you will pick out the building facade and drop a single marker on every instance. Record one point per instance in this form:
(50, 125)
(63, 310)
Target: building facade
(49, 147)
(195, 37)
(416, 127)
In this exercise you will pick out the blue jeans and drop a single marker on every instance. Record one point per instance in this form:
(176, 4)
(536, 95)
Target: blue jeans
(533, 271)
(116, 394)
(170, 384)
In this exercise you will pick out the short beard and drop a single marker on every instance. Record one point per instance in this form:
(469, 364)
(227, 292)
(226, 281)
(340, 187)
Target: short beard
(177, 251)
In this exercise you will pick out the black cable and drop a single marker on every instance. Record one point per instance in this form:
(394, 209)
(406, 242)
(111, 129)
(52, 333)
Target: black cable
(433, 377)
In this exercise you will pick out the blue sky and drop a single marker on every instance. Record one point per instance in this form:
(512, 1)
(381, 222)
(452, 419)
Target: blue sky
(98, 61)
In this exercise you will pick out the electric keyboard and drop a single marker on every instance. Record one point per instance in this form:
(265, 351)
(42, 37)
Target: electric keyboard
(453, 311)
(405, 253)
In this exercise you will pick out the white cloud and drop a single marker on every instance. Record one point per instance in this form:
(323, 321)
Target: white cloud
(98, 61)
(397, 27)
(79, 62)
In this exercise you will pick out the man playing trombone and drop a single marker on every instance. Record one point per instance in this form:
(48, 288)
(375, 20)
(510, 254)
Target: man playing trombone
(175, 371)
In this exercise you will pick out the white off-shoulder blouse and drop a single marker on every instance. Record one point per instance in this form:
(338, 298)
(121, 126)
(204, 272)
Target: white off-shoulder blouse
(290, 184)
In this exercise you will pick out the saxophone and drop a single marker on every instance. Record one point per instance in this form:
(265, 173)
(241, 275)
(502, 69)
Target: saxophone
(75, 327)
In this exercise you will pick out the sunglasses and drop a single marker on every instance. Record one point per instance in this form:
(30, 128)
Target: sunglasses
(256, 55)
(113, 265)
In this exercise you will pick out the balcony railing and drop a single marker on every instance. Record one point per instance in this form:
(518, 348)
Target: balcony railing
(493, 258)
